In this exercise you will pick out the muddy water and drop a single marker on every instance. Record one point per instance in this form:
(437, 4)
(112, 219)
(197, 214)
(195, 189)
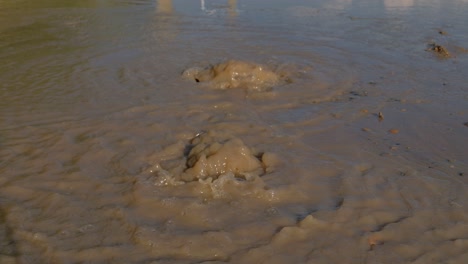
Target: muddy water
(359, 154)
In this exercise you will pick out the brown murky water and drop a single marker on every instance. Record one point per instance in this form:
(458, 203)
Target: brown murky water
(354, 150)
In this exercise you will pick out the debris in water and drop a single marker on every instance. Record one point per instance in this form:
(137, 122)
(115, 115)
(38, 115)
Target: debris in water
(373, 241)
(380, 116)
(438, 49)
(441, 32)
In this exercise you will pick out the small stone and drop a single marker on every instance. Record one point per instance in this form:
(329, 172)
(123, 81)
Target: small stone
(380, 115)
(393, 131)
(365, 129)
(438, 49)
(466, 124)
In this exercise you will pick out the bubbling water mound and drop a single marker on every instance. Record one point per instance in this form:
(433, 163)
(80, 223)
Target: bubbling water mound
(211, 157)
(235, 74)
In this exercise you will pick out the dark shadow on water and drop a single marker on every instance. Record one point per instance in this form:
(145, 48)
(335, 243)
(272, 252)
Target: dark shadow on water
(8, 246)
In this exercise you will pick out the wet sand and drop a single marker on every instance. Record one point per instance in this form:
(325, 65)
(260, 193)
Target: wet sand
(325, 132)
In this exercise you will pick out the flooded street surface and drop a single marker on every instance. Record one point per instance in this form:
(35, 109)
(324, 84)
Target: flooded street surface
(224, 131)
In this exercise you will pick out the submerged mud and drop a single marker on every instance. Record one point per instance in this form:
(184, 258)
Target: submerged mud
(323, 133)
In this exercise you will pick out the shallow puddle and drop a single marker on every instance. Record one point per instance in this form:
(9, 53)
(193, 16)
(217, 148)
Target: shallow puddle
(172, 131)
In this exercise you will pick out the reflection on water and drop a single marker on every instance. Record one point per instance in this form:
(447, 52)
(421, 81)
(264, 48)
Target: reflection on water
(232, 7)
(107, 154)
(338, 4)
(165, 6)
(398, 3)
